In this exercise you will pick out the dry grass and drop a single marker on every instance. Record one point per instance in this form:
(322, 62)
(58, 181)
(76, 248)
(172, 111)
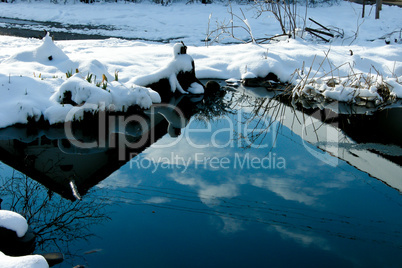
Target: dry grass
(366, 89)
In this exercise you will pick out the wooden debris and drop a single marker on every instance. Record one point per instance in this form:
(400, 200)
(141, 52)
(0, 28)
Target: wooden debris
(319, 33)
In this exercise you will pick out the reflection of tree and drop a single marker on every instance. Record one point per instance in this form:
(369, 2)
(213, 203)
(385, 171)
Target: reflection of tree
(55, 221)
(263, 117)
(213, 106)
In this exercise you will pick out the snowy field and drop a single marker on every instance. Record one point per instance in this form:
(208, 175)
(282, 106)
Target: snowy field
(360, 61)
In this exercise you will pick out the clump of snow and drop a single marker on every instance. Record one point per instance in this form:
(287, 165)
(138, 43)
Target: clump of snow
(58, 113)
(181, 62)
(248, 75)
(124, 97)
(233, 82)
(47, 53)
(30, 261)
(82, 92)
(395, 85)
(349, 89)
(95, 68)
(196, 88)
(178, 50)
(14, 222)
(92, 98)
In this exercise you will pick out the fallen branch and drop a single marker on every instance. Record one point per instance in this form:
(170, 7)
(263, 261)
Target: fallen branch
(319, 24)
(318, 31)
(319, 36)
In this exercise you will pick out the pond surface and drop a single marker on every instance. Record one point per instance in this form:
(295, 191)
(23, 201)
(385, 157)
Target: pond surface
(239, 179)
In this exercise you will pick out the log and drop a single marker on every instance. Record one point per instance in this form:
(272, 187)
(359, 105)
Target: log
(319, 24)
(318, 31)
(313, 33)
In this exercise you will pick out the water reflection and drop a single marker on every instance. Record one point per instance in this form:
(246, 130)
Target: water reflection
(246, 169)
(71, 167)
(56, 222)
(369, 139)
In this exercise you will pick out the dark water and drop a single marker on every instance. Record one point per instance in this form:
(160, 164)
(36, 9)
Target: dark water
(62, 31)
(240, 179)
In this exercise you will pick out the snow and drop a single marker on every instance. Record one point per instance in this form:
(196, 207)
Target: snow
(42, 95)
(196, 88)
(14, 222)
(32, 85)
(82, 92)
(397, 87)
(179, 63)
(31, 261)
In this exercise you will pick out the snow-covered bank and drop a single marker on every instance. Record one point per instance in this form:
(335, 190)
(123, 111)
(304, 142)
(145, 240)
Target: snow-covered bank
(190, 22)
(29, 78)
(43, 93)
(27, 83)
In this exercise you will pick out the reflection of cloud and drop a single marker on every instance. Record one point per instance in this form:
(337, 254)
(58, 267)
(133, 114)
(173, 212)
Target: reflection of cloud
(183, 152)
(184, 180)
(231, 225)
(339, 181)
(118, 179)
(303, 238)
(289, 189)
(157, 200)
(208, 193)
(303, 166)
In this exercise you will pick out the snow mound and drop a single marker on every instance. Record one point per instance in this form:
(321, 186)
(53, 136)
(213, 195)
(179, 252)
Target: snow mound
(31, 261)
(96, 68)
(76, 96)
(181, 63)
(124, 97)
(396, 87)
(79, 91)
(13, 221)
(47, 53)
(248, 75)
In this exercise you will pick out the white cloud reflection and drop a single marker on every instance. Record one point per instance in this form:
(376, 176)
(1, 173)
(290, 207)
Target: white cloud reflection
(209, 194)
(157, 200)
(119, 179)
(288, 189)
(304, 238)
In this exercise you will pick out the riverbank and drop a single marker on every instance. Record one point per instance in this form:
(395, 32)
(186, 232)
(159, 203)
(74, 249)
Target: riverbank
(361, 63)
(190, 23)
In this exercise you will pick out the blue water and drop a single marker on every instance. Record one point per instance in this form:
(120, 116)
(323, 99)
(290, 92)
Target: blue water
(213, 197)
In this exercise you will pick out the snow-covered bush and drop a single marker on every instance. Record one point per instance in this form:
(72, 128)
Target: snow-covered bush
(178, 74)
(365, 90)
